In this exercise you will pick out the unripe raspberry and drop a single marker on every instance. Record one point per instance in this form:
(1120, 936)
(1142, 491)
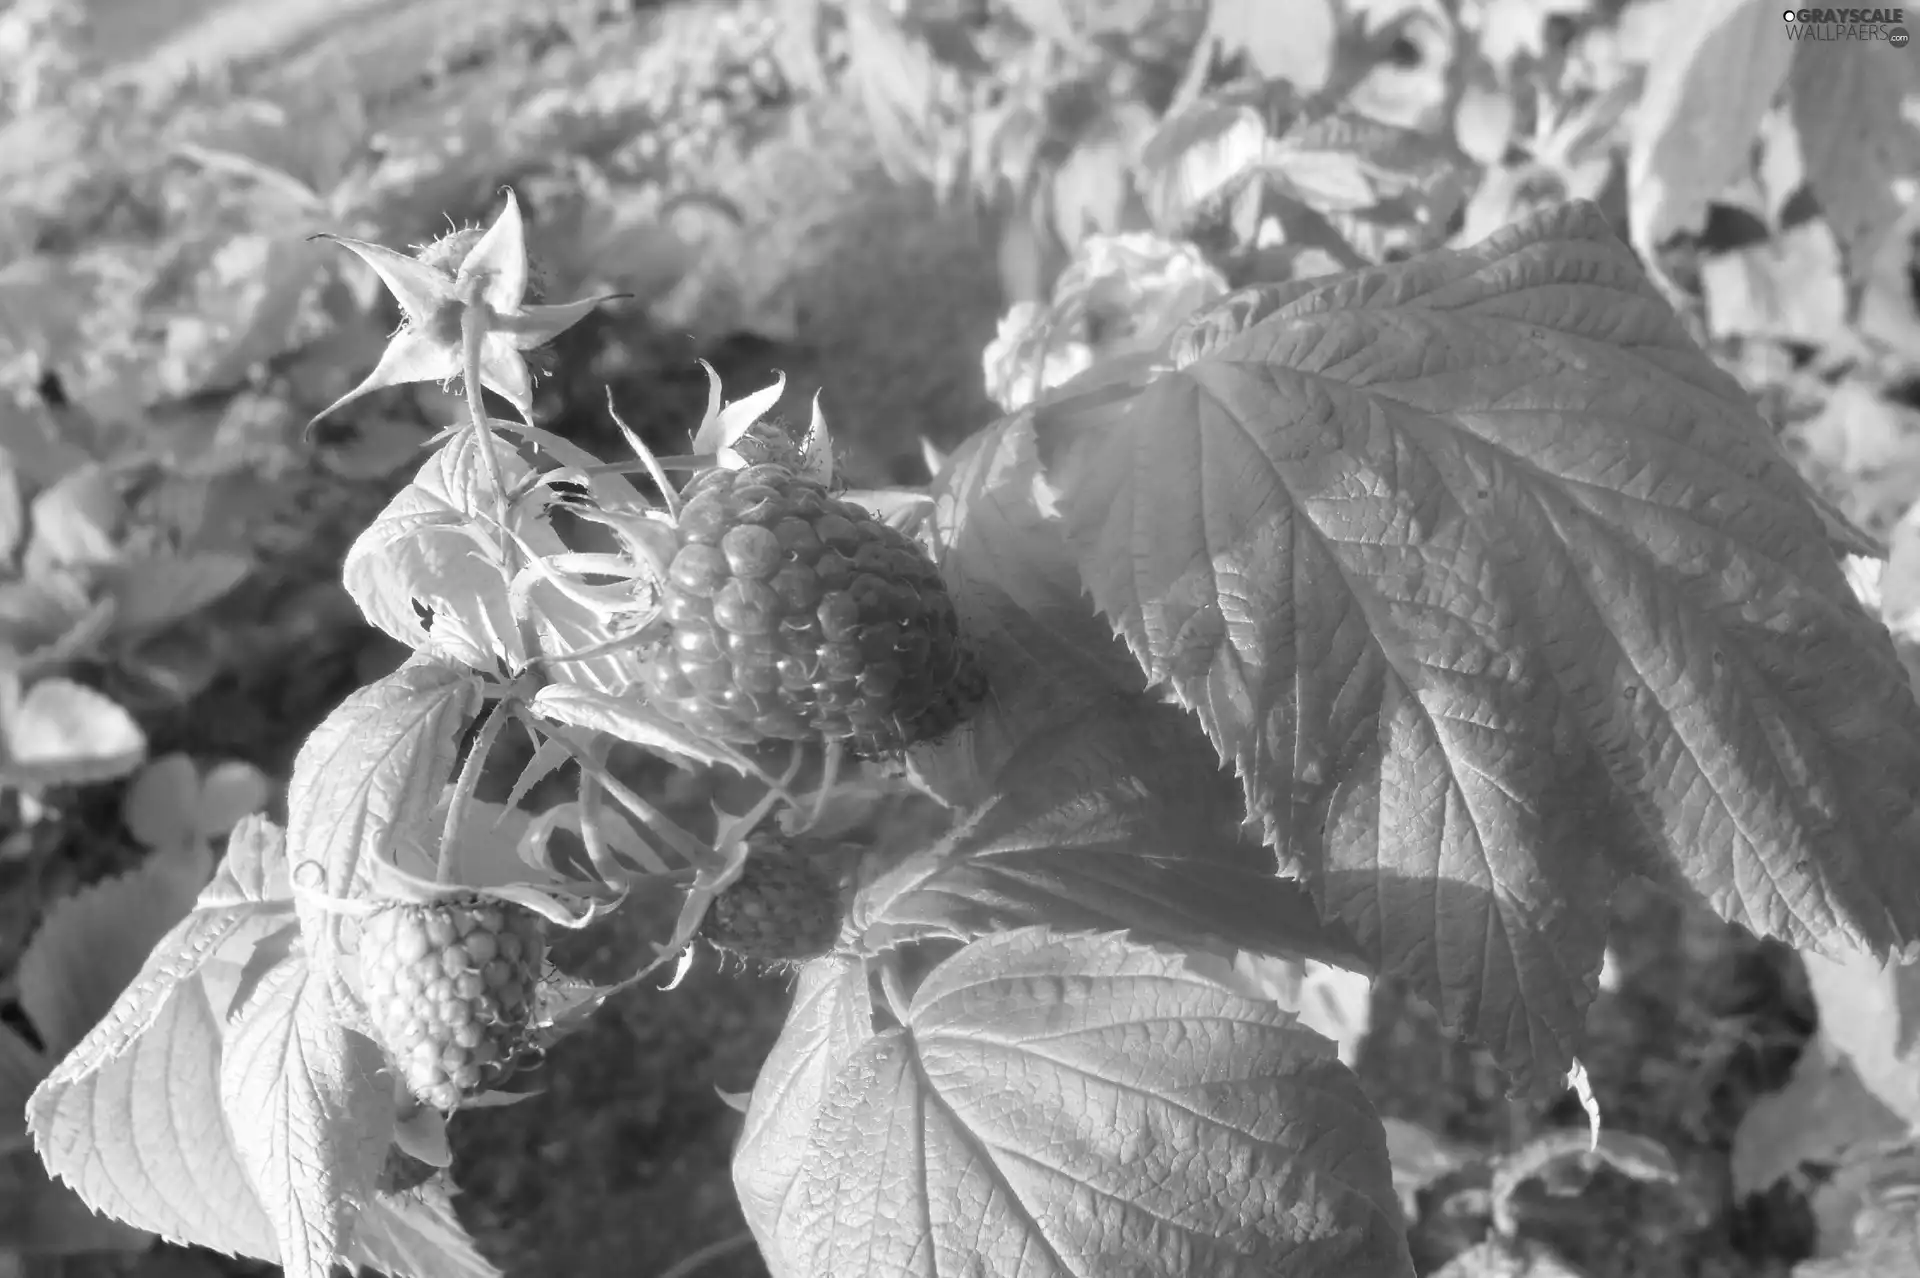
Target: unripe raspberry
(785, 907)
(449, 987)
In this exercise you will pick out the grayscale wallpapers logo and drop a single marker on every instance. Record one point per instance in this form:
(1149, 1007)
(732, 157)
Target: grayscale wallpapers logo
(1847, 24)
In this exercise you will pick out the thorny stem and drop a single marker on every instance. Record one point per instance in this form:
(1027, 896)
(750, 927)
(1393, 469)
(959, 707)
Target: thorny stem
(464, 788)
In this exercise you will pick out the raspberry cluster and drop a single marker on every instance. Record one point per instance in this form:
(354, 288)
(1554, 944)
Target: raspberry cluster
(450, 986)
(785, 907)
(796, 616)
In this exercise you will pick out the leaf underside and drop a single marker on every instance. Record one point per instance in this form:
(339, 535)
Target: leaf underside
(1493, 589)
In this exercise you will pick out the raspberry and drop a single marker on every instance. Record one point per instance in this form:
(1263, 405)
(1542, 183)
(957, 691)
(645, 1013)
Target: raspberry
(796, 616)
(785, 907)
(450, 987)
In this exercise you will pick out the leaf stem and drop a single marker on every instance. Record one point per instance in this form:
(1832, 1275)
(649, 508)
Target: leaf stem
(689, 848)
(685, 1267)
(897, 1000)
(476, 318)
(464, 788)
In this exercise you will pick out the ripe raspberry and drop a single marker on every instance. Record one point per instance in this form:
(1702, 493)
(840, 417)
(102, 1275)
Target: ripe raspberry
(785, 907)
(796, 616)
(450, 987)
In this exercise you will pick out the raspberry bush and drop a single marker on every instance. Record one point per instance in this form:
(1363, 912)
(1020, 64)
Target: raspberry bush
(1384, 618)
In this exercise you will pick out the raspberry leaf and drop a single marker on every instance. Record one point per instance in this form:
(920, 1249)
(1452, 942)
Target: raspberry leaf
(124, 1118)
(254, 870)
(422, 573)
(140, 1134)
(1047, 1103)
(311, 1112)
(1117, 820)
(417, 1235)
(1004, 558)
(247, 897)
(373, 769)
(1493, 588)
(831, 1019)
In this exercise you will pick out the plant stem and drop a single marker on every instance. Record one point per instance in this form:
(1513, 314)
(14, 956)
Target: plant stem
(712, 1251)
(476, 317)
(464, 788)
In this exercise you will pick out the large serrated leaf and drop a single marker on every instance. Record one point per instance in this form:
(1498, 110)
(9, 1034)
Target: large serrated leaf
(1048, 655)
(242, 903)
(311, 1112)
(142, 1137)
(1088, 1106)
(421, 571)
(375, 766)
(1493, 588)
(831, 1017)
